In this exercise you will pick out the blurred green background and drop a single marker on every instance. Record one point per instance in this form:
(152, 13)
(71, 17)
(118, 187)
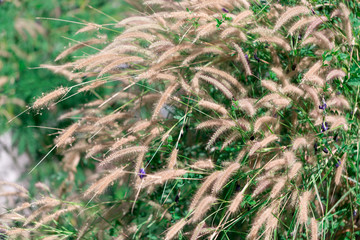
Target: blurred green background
(34, 33)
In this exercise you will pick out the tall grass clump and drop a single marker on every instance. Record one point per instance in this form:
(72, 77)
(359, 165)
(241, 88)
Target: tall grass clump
(223, 119)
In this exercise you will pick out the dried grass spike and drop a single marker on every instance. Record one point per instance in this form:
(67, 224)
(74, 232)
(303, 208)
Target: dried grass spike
(46, 99)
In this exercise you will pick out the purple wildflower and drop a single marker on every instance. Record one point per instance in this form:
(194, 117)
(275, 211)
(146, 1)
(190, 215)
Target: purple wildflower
(325, 150)
(142, 173)
(338, 164)
(177, 197)
(324, 127)
(256, 57)
(323, 107)
(247, 57)
(316, 147)
(225, 10)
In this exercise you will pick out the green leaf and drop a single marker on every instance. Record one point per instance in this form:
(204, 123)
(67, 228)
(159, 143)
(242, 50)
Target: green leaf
(354, 82)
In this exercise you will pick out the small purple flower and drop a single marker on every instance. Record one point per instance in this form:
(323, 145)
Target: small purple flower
(338, 164)
(324, 126)
(313, 12)
(247, 57)
(225, 10)
(256, 57)
(323, 107)
(142, 173)
(177, 197)
(325, 150)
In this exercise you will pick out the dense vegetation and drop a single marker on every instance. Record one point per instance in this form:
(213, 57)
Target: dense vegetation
(226, 120)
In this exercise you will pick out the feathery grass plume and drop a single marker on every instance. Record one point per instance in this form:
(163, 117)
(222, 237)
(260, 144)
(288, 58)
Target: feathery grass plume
(175, 229)
(225, 175)
(203, 164)
(159, 45)
(163, 176)
(205, 30)
(197, 231)
(218, 85)
(260, 219)
(135, 21)
(346, 14)
(204, 187)
(148, 26)
(338, 102)
(124, 152)
(291, 89)
(270, 85)
(301, 23)
(336, 73)
(232, 31)
(294, 170)
(101, 185)
(276, 163)
(213, 106)
(16, 232)
(230, 139)
(139, 126)
(314, 229)
(243, 15)
(78, 46)
(281, 75)
(89, 27)
(277, 40)
(111, 118)
(278, 187)
(14, 185)
(303, 207)
(95, 60)
(224, 75)
(173, 157)
(243, 60)
(118, 62)
(95, 150)
(336, 121)
(261, 186)
(122, 142)
(315, 24)
(267, 98)
(138, 35)
(247, 105)
(263, 120)
(66, 135)
(172, 51)
(55, 215)
(340, 169)
(23, 206)
(235, 203)
(313, 95)
(203, 206)
(329, 45)
(290, 13)
(165, 96)
(299, 142)
(48, 98)
(220, 131)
